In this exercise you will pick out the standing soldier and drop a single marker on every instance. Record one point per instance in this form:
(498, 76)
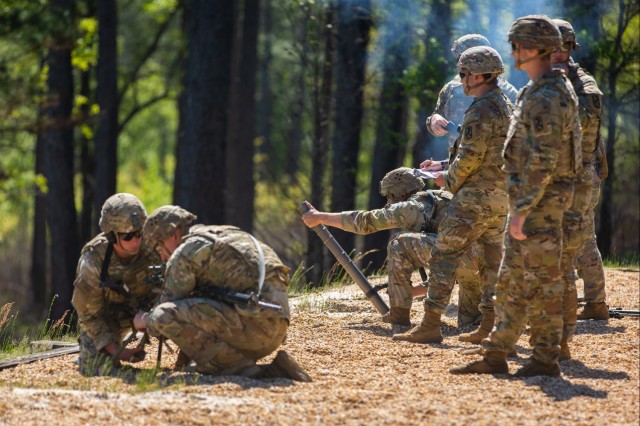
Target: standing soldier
(479, 206)
(450, 108)
(452, 102)
(417, 213)
(221, 337)
(542, 155)
(589, 261)
(109, 287)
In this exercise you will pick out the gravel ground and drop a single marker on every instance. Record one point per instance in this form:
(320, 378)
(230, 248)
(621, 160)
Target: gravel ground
(360, 377)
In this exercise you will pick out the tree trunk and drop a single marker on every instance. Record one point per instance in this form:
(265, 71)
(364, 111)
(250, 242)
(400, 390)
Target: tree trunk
(240, 190)
(39, 247)
(391, 129)
(265, 101)
(320, 148)
(605, 236)
(106, 141)
(294, 138)
(88, 220)
(58, 139)
(354, 23)
(202, 152)
(437, 71)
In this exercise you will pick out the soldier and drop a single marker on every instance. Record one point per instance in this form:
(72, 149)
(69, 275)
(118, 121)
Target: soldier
(452, 102)
(479, 206)
(221, 338)
(542, 155)
(450, 108)
(590, 108)
(109, 287)
(416, 212)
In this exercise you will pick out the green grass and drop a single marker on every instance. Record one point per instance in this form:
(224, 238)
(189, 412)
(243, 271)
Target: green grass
(15, 343)
(631, 261)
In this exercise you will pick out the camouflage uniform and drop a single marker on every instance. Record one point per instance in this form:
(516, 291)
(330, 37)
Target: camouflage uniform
(452, 104)
(220, 338)
(105, 314)
(479, 206)
(589, 261)
(542, 155)
(409, 250)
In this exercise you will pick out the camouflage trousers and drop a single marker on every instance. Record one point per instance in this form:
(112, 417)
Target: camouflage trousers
(91, 361)
(214, 335)
(409, 251)
(573, 223)
(473, 216)
(529, 283)
(589, 261)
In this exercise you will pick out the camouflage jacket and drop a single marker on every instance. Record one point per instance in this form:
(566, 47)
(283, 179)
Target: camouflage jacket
(103, 312)
(225, 257)
(589, 108)
(544, 140)
(422, 212)
(476, 158)
(452, 103)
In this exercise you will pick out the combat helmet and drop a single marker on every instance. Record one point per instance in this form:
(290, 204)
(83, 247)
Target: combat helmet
(399, 182)
(122, 213)
(568, 35)
(161, 224)
(535, 32)
(480, 60)
(467, 41)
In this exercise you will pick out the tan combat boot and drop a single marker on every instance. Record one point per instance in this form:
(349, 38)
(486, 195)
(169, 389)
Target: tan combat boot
(594, 311)
(483, 331)
(536, 368)
(565, 352)
(428, 331)
(480, 351)
(283, 366)
(398, 316)
(492, 362)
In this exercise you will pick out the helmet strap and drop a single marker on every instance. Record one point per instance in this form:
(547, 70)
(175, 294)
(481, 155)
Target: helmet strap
(542, 53)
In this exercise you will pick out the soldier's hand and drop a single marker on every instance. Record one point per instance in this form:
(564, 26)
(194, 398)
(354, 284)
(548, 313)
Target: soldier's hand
(140, 321)
(310, 217)
(439, 125)
(516, 222)
(439, 180)
(132, 355)
(431, 166)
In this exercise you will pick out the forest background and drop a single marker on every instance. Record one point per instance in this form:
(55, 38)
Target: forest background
(239, 110)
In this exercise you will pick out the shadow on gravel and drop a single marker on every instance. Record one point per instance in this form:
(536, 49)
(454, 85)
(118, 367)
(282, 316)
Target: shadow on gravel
(576, 369)
(598, 327)
(150, 378)
(560, 389)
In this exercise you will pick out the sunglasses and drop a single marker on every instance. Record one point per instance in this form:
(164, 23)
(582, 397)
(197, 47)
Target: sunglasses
(130, 235)
(514, 47)
(565, 47)
(463, 74)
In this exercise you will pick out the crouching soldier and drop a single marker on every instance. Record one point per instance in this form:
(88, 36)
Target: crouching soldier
(110, 286)
(418, 214)
(222, 338)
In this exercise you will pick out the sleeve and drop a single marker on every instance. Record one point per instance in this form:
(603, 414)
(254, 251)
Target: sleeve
(441, 105)
(89, 301)
(396, 215)
(180, 277)
(542, 118)
(471, 151)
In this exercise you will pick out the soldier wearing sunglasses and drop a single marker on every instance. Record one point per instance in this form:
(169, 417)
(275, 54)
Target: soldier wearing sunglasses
(109, 287)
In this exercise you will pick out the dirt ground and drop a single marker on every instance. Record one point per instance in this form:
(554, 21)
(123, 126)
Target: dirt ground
(360, 376)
